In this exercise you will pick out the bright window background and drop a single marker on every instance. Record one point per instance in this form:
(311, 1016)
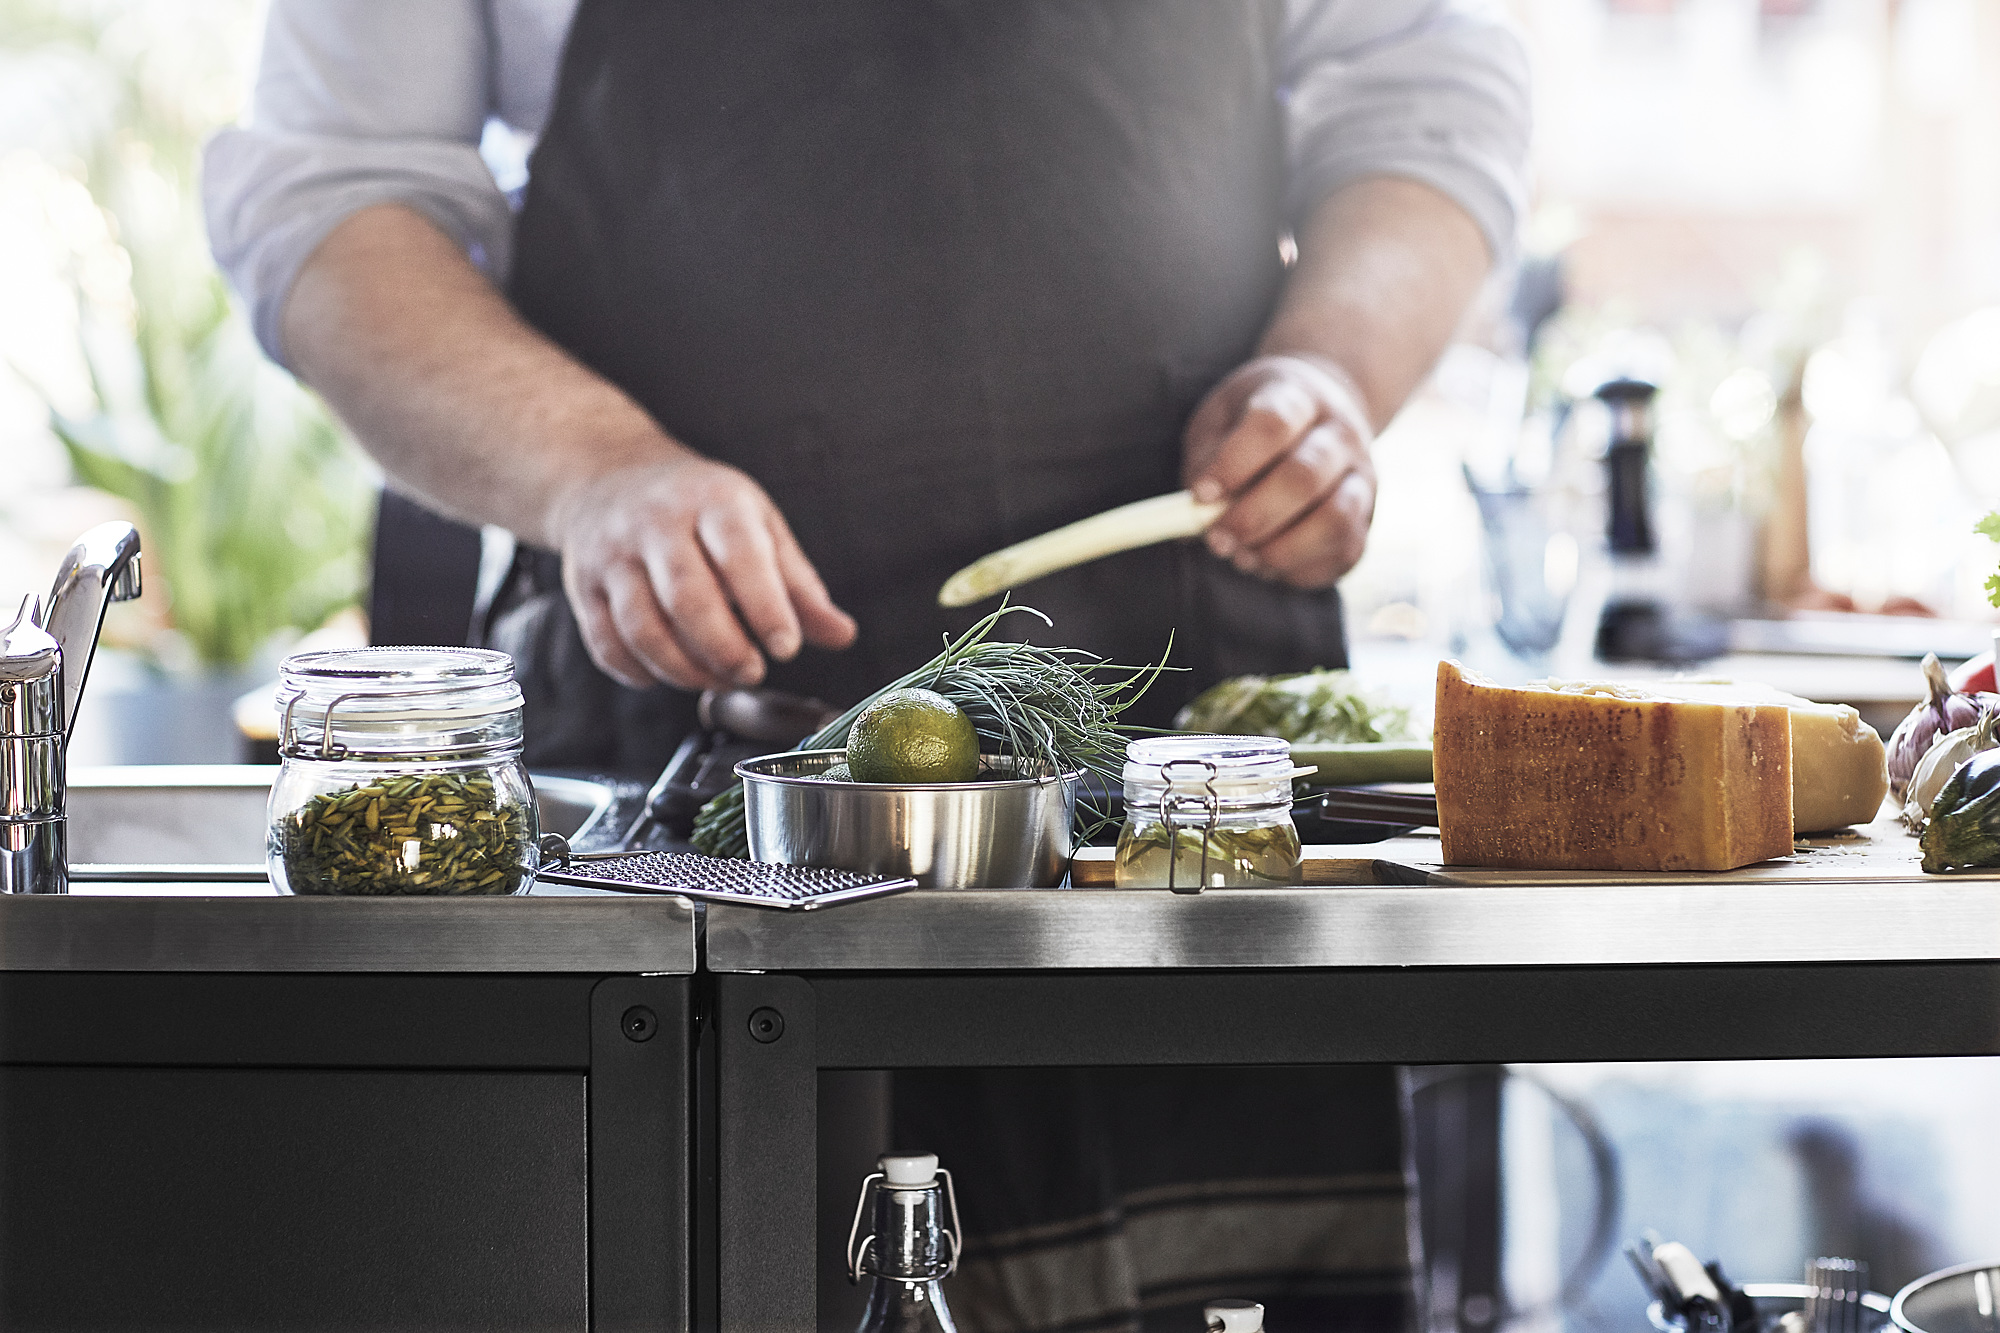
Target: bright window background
(1747, 199)
(129, 384)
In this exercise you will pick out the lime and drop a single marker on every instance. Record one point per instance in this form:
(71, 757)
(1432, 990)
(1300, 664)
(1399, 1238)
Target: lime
(913, 736)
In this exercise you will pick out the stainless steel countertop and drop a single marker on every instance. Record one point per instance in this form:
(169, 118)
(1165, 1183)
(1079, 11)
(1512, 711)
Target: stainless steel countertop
(216, 912)
(1867, 902)
(1516, 926)
(189, 930)
(197, 929)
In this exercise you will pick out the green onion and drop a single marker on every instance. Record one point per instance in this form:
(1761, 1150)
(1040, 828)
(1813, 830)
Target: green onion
(1053, 710)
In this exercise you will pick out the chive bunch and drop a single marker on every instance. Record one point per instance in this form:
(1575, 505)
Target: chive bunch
(1052, 710)
(419, 833)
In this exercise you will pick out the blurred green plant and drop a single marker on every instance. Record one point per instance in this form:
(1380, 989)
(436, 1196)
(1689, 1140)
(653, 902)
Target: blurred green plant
(1989, 527)
(254, 506)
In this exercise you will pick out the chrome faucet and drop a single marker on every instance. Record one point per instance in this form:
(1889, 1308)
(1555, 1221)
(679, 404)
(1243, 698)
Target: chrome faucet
(44, 660)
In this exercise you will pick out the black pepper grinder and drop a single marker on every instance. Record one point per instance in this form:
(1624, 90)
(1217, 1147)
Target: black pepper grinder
(1633, 623)
(1628, 459)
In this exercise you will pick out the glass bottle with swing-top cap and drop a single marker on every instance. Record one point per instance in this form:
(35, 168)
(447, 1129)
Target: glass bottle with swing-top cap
(912, 1247)
(402, 774)
(1208, 812)
(1233, 1317)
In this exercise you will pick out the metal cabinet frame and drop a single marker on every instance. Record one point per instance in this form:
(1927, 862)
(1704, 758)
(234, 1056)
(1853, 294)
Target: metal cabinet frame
(600, 988)
(766, 1035)
(703, 1191)
(637, 1111)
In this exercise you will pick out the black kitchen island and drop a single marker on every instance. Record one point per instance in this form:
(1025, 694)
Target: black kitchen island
(274, 1113)
(600, 1111)
(1405, 974)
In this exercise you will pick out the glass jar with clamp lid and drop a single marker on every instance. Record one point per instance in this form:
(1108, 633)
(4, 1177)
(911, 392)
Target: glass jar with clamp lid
(1208, 812)
(402, 774)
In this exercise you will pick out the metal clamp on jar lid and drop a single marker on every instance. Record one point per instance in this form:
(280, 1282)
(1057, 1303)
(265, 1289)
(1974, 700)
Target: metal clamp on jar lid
(1203, 782)
(395, 703)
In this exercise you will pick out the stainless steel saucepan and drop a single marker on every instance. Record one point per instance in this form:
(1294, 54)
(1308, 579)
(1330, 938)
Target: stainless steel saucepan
(1003, 832)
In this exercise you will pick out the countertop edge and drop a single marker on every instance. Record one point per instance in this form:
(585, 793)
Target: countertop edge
(109, 933)
(1361, 927)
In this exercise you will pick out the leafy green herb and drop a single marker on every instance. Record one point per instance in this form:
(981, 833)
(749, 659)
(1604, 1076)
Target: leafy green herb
(1052, 710)
(1316, 707)
(1989, 527)
(420, 833)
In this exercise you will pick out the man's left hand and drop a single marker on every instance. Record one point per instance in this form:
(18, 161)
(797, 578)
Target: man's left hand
(1285, 440)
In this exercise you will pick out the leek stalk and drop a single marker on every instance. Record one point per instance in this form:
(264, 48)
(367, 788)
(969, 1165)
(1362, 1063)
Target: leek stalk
(1164, 518)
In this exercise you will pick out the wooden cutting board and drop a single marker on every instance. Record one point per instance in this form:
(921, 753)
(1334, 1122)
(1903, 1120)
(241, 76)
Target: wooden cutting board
(1878, 852)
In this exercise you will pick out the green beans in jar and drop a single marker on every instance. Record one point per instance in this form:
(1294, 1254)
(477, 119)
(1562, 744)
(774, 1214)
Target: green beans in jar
(413, 833)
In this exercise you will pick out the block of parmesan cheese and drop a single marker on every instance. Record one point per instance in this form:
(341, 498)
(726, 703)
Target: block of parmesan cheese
(1607, 777)
(1840, 772)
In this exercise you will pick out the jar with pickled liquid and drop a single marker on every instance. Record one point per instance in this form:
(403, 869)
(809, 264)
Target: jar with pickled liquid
(402, 774)
(1208, 812)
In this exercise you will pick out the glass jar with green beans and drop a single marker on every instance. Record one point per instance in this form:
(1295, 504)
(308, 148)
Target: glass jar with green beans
(1208, 812)
(402, 775)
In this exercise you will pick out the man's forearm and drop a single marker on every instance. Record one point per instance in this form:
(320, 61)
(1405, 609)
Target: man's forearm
(678, 568)
(1386, 270)
(445, 385)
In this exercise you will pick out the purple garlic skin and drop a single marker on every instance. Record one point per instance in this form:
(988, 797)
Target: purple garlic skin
(1944, 710)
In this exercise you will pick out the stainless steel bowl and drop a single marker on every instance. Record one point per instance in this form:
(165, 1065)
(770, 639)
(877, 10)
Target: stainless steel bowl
(1961, 1299)
(1003, 833)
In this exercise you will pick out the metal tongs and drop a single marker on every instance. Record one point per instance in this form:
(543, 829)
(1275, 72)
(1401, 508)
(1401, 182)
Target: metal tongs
(1701, 1297)
(734, 725)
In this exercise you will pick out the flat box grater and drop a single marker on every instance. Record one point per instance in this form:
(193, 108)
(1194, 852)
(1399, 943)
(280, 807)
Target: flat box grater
(712, 878)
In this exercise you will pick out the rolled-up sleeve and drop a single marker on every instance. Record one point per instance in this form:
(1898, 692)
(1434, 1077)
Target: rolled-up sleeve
(1431, 90)
(356, 103)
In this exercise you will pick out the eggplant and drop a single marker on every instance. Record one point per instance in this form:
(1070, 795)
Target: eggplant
(1965, 819)
(1945, 757)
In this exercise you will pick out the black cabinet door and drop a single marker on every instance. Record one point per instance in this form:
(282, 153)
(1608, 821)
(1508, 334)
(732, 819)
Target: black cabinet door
(292, 1199)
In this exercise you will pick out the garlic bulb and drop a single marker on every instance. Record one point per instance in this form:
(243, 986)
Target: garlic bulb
(1947, 752)
(1943, 710)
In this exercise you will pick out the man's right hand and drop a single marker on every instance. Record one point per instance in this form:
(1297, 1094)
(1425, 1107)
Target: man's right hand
(679, 569)
(684, 571)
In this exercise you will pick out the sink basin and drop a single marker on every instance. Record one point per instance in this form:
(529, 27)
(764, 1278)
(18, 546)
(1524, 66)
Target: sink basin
(213, 814)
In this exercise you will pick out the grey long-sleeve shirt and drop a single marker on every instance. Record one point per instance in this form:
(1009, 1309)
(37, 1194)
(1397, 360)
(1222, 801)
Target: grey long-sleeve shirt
(360, 102)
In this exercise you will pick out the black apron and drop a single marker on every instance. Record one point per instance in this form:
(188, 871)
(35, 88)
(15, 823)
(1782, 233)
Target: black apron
(941, 275)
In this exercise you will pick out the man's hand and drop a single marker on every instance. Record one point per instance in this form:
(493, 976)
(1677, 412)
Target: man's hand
(683, 571)
(1386, 267)
(1285, 440)
(679, 569)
